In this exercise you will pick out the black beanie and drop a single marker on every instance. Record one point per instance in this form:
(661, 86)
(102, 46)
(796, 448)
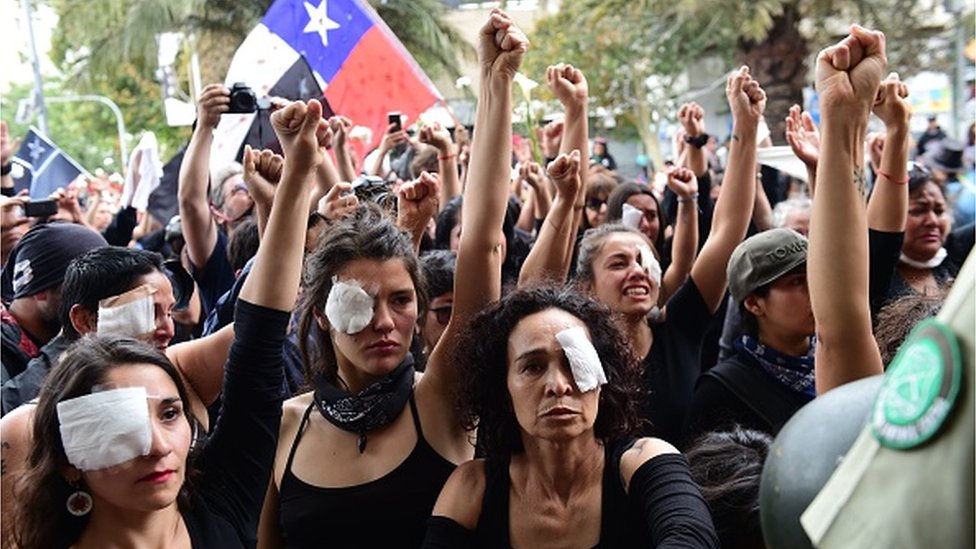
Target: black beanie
(41, 257)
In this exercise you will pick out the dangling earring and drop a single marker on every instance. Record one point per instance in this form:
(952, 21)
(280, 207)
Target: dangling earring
(79, 502)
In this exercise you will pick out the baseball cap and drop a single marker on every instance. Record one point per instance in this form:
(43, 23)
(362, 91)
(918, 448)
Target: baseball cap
(762, 258)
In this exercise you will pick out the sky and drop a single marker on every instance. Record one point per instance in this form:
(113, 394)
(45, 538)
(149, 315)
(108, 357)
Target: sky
(15, 57)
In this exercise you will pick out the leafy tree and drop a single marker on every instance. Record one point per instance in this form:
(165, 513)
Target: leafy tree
(777, 38)
(633, 64)
(108, 47)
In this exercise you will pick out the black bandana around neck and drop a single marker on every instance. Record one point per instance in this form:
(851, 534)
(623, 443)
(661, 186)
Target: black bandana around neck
(376, 405)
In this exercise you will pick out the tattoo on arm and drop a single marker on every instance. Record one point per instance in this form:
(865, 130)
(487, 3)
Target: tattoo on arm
(3, 460)
(860, 181)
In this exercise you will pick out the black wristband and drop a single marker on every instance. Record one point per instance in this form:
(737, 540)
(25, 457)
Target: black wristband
(5, 168)
(697, 142)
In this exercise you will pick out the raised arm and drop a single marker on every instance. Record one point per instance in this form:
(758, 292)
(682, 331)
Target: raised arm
(447, 160)
(417, 202)
(479, 258)
(569, 85)
(274, 278)
(848, 75)
(734, 207)
(533, 175)
(326, 174)
(345, 164)
(888, 206)
(548, 261)
(692, 118)
(199, 227)
(391, 138)
(684, 184)
(261, 187)
(804, 138)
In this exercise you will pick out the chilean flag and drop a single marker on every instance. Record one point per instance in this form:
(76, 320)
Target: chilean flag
(346, 48)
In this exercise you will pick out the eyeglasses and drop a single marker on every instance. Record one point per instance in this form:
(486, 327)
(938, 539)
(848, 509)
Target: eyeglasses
(595, 203)
(443, 314)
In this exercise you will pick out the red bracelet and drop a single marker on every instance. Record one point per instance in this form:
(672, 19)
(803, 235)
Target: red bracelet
(447, 156)
(892, 179)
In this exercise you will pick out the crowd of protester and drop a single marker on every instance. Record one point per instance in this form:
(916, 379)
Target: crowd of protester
(450, 343)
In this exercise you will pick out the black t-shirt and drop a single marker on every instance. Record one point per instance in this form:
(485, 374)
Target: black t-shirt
(673, 365)
(886, 285)
(214, 278)
(235, 463)
(738, 392)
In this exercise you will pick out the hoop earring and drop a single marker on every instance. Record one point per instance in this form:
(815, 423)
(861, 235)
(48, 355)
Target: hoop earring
(79, 502)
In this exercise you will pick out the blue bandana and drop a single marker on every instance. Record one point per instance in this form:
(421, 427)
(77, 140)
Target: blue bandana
(795, 373)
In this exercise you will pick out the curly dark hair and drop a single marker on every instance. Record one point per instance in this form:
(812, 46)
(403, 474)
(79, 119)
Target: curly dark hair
(41, 519)
(897, 319)
(367, 234)
(481, 354)
(728, 465)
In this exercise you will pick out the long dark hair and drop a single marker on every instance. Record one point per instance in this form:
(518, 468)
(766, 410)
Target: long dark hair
(41, 518)
(481, 356)
(367, 234)
(619, 197)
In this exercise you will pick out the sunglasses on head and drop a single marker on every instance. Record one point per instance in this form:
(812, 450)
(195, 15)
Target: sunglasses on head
(918, 174)
(443, 314)
(595, 203)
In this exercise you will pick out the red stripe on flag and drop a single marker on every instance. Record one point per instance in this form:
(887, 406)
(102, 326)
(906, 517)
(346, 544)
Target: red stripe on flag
(377, 79)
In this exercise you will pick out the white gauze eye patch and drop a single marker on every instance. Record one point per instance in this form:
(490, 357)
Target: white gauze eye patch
(349, 308)
(631, 216)
(649, 263)
(105, 429)
(130, 314)
(584, 362)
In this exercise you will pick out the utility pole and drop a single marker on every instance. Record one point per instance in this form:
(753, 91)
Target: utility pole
(36, 65)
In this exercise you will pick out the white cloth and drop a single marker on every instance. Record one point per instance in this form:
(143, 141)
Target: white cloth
(130, 314)
(106, 428)
(349, 308)
(650, 263)
(932, 263)
(783, 159)
(631, 216)
(583, 359)
(145, 170)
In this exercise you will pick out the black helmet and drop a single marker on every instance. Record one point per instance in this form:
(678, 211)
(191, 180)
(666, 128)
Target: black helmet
(805, 454)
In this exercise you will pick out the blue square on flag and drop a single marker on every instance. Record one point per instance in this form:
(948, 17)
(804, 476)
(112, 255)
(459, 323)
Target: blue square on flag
(45, 167)
(323, 31)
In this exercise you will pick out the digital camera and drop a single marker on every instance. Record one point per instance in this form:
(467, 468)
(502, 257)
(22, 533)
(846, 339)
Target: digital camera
(242, 99)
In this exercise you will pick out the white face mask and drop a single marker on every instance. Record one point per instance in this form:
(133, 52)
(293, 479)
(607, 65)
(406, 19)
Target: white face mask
(583, 359)
(105, 428)
(349, 308)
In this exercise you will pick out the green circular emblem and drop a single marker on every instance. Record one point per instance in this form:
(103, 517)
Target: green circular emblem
(920, 388)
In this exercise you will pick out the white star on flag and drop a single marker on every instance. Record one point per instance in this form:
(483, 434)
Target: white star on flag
(36, 150)
(319, 21)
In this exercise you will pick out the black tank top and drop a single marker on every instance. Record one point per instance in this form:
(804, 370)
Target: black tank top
(619, 526)
(390, 511)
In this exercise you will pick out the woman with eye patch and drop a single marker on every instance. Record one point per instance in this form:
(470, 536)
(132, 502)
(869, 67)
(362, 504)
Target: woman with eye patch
(616, 266)
(114, 461)
(551, 384)
(362, 457)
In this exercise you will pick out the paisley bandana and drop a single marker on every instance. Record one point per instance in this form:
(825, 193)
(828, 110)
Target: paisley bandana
(796, 373)
(376, 405)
